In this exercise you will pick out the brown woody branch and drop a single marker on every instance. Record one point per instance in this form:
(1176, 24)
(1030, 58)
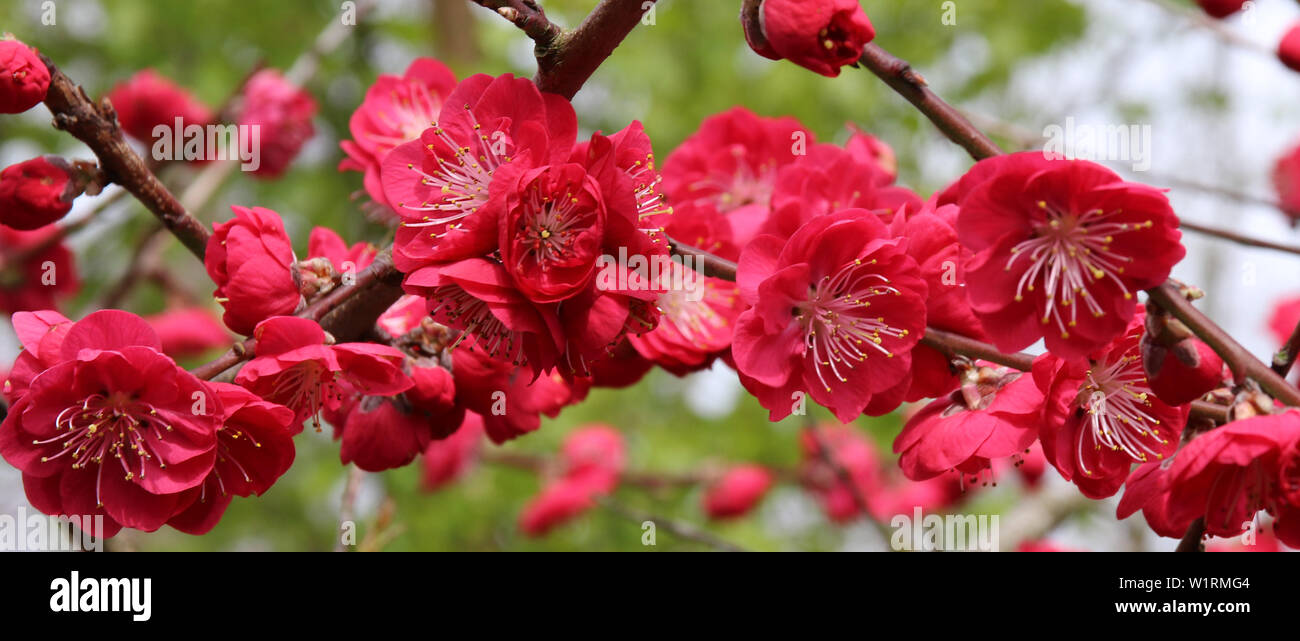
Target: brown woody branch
(1241, 361)
(96, 125)
(529, 17)
(905, 80)
(566, 59)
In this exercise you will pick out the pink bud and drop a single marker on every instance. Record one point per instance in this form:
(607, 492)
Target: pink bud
(821, 35)
(24, 79)
(737, 492)
(1183, 372)
(35, 193)
(1288, 50)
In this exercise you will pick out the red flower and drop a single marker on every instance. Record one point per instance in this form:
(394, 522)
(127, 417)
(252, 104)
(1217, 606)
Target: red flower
(509, 400)
(697, 313)
(1221, 8)
(835, 313)
(147, 100)
(830, 179)
(557, 503)
(594, 456)
(254, 449)
(1147, 489)
(397, 109)
(995, 415)
(443, 185)
(737, 492)
(1284, 319)
(553, 231)
(35, 193)
(873, 151)
(382, 433)
(1286, 180)
(115, 428)
(24, 79)
(330, 261)
(478, 297)
(591, 462)
(731, 162)
(326, 243)
(446, 460)
(1061, 248)
(283, 112)
(296, 368)
(850, 452)
(190, 331)
(35, 268)
(1288, 49)
(1101, 416)
(250, 260)
(820, 35)
(932, 242)
(1229, 474)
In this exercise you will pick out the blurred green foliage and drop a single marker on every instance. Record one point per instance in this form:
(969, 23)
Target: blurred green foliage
(692, 62)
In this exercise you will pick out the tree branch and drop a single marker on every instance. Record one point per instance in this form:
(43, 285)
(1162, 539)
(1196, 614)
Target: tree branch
(569, 60)
(899, 75)
(1242, 362)
(705, 262)
(529, 17)
(96, 125)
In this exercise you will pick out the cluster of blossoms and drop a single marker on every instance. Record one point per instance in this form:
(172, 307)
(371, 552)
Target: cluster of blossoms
(536, 266)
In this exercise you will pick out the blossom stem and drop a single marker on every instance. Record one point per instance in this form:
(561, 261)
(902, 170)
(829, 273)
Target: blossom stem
(681, 530)
(905, 80)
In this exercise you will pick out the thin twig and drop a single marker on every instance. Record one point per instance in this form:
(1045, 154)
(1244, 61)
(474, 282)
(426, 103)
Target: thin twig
(899, 75)
(677, 528)
(846, 478)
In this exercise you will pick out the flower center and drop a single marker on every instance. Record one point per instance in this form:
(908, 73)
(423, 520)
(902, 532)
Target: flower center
(1116, 397)
(837, 330)
(462, 181)
(457, 308)
(551, 226)
(303, 388)
(113, 425)
(1067, 256)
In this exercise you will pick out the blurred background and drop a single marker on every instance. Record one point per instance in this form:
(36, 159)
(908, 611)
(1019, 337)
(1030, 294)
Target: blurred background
(1221, 109)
